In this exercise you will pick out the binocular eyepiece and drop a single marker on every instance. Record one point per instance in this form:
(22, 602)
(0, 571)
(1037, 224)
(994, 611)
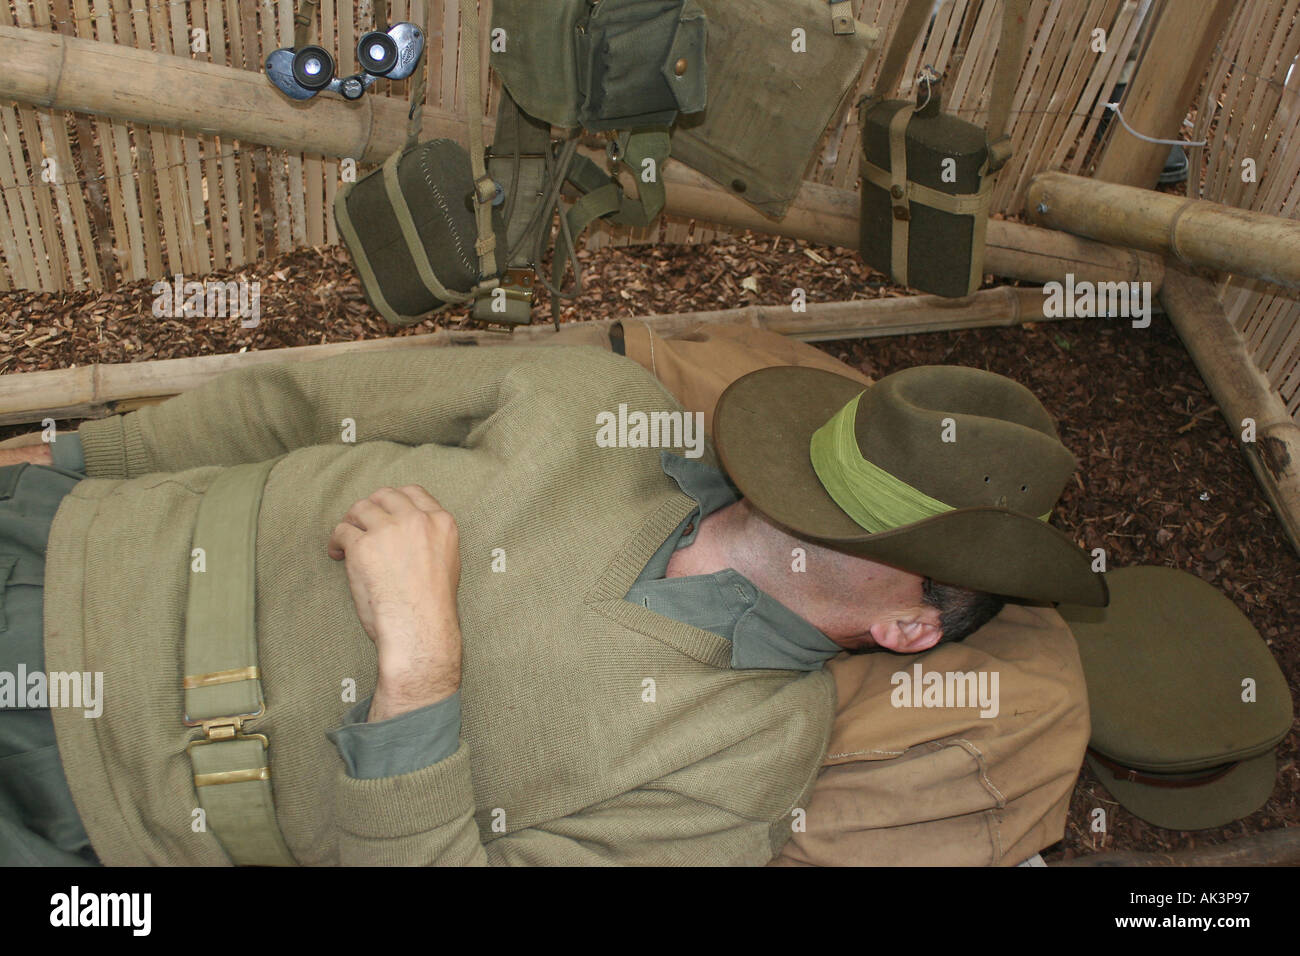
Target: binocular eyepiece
(304, 72)
(313, 67)
(377, 53)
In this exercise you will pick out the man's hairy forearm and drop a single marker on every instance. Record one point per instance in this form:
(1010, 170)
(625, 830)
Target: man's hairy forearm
(35, 454)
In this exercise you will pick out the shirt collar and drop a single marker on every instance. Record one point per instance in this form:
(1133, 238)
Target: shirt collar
(763, 631)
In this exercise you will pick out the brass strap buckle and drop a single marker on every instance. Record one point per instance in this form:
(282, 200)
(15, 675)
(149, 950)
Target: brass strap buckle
(219, 729)
(519, 284)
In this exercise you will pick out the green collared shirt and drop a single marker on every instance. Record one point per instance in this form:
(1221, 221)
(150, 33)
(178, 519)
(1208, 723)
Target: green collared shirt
(764, 633)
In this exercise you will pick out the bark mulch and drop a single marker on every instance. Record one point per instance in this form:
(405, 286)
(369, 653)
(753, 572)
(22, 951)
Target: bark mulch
(1161, 480)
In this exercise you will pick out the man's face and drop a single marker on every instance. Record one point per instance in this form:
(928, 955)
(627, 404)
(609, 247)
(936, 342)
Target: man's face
(878, 606)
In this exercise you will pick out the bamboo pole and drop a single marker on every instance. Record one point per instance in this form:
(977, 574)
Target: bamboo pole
(1165, 82)
(70, 73)
(94, 390)
(1241, 391)
(1199, 232)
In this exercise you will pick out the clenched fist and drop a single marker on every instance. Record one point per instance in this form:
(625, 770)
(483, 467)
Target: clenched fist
(401, 550)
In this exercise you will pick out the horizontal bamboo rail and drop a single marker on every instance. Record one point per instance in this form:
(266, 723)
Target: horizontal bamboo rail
(1271, 848)
(1199, 232)
(94, 390)
(124, 83)
(1241, 392)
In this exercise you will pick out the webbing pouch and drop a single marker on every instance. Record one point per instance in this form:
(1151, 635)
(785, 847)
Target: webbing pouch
(640, 63)
(925, 194)
(927, 175)
(410, 229)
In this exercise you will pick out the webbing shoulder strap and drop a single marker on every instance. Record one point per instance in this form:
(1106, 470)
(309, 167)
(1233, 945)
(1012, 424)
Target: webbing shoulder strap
(303, 21)
(484, 187)
(1010, 47)
(222, 682)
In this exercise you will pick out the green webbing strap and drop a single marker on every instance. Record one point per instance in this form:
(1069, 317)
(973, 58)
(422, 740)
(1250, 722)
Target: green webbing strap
(605, 196)
(871, 496)
(520, 157)
(1010, 47)
(959, 204)
(222, 683)
(899, 202)
(914, 18)
(641, 147)
(485, 189)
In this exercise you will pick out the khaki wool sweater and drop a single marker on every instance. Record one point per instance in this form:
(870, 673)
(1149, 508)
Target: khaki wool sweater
(568, 754)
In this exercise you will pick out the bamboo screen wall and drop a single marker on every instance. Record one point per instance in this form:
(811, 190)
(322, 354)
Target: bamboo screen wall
(145, 203)
(86, 202)
(1249, 109)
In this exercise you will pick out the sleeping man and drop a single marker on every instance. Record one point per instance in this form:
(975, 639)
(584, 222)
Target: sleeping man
(405, 608)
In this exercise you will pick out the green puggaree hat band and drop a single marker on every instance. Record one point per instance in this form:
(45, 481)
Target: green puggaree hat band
(871, 496)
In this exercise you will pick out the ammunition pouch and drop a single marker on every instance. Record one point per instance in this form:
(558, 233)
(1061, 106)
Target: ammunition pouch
(640, 63)
(410, 228)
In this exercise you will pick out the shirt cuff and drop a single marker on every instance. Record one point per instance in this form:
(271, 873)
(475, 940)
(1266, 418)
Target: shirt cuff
(399, 745)
(67, 453)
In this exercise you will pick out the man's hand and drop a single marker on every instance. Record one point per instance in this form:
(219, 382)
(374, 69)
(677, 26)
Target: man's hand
(401, 550)
(35, 454)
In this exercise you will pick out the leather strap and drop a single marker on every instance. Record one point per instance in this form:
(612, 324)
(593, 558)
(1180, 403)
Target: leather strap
(222, 685)
(1122, 772)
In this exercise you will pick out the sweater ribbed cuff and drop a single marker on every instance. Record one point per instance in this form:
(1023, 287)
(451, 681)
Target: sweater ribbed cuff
(393, 807)
(114, 448)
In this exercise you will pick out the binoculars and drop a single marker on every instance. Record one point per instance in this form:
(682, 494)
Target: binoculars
(304, 72)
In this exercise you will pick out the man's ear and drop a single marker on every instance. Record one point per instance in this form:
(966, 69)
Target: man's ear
(907, 636)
